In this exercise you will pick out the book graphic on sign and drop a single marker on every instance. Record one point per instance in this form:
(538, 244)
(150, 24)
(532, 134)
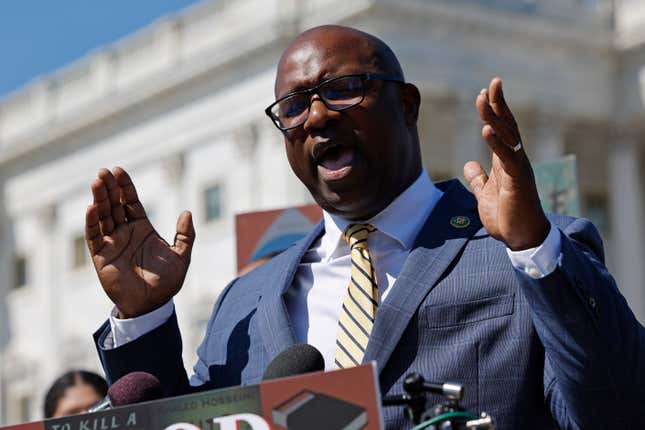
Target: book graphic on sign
(317, 411)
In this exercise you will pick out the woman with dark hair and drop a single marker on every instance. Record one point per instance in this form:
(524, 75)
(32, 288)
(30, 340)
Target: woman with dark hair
(73, 393)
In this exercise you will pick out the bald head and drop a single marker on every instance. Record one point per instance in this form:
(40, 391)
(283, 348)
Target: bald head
(356, 159)
(366, 50)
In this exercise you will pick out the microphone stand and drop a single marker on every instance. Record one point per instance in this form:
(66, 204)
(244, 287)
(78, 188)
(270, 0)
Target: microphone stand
(448, 415)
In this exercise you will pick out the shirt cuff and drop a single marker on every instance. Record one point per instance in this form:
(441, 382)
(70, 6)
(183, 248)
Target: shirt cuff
(128, 329)
(542, 260)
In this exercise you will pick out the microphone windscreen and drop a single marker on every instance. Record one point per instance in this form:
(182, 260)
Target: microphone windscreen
(135, 387)
(295, 360)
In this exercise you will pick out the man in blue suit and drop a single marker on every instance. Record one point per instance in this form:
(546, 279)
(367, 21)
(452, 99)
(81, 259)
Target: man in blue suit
(480, 288)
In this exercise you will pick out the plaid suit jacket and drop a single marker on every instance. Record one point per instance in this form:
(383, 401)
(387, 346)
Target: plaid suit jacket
(564, 351)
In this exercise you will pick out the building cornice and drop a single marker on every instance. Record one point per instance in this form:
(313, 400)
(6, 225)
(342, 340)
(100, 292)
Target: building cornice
(41, 113)
(475, 18)
(210, 37)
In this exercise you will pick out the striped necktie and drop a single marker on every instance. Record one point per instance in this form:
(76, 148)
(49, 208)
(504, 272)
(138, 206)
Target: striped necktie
(360, 303)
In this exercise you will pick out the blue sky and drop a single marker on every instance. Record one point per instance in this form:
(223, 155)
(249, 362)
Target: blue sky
(40, 36)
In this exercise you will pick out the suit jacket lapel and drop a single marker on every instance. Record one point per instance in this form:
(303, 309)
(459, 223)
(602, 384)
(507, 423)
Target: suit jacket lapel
(438, 243)
(273, 318)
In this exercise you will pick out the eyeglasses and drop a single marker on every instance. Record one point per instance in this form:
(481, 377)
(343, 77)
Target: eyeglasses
(339, 93)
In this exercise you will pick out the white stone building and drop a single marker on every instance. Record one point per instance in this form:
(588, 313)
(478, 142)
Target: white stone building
(180, 105)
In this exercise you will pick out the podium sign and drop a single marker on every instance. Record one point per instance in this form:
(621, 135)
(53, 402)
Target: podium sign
(347, 399)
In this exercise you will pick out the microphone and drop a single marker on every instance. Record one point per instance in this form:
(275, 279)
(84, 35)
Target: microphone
(135, 387)
(295, 360)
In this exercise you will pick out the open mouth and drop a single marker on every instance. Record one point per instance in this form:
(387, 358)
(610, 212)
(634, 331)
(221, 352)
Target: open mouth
(334, 162)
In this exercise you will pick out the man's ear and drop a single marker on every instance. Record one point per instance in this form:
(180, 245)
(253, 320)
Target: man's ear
(411, 99)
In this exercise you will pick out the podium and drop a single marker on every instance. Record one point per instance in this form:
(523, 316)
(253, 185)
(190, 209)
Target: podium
(347, 399)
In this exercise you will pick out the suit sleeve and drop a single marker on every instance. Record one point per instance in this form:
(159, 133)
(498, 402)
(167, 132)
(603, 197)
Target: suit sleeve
(158, 352)
(594, 369)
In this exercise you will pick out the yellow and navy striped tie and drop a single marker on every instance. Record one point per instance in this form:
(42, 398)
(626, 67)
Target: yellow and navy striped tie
(360, 303)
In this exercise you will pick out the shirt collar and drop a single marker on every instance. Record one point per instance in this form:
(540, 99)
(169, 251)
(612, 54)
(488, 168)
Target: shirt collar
(401, 220)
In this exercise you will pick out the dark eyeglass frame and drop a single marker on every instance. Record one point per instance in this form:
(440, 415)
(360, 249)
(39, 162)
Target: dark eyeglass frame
(315, 90)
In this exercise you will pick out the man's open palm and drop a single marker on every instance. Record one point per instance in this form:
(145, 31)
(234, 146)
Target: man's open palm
(138, 270)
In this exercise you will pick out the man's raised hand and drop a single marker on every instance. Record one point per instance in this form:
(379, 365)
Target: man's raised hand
(507, 200)
(138, 270)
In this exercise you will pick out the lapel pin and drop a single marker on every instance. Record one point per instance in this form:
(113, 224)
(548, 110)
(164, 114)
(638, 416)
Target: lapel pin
(460, 221)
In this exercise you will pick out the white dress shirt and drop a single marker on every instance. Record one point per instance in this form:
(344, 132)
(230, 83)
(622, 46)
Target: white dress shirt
(315, 299)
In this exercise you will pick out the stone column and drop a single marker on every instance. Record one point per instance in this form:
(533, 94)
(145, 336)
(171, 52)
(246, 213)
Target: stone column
(174, 200)
(627, 215)
(468, 142)
(543, 136)
(277, 185)
(6, 254)
(246, 138)
(48, 264)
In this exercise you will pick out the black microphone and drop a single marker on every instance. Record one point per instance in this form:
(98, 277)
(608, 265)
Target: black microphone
(295, 360)
(135, 387)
